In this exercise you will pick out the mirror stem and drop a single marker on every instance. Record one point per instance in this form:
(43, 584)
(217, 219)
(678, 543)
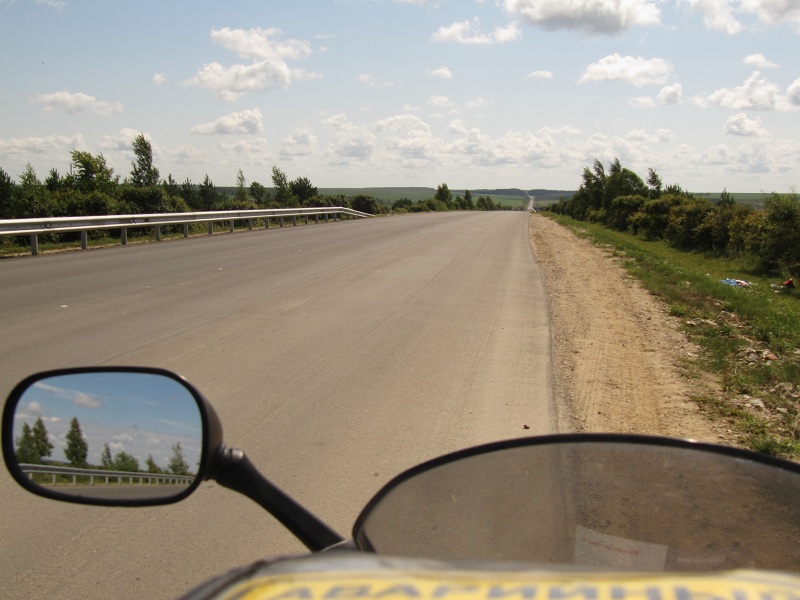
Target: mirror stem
(235, 471)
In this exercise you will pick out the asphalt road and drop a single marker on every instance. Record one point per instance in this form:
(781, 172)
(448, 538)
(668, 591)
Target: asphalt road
(336, 354)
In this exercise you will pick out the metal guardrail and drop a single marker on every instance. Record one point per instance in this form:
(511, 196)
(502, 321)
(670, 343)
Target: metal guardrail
(36, 227)
(105, 477)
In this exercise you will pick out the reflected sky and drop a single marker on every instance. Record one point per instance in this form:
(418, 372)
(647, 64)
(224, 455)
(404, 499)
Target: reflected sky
(142, 414)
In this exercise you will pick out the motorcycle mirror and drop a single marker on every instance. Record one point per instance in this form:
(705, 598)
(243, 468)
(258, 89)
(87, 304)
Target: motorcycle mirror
(112, 436)
(593, 500)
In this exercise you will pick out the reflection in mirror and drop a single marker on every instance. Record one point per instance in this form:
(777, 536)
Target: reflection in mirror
(641, 506)
(109, 435)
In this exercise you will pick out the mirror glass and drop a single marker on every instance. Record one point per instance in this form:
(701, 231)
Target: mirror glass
(599, 504)
(109, 436)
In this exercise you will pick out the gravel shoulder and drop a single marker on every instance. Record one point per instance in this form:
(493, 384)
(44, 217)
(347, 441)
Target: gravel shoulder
(618, 353)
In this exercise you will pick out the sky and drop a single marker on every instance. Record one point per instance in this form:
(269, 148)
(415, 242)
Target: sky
(364, 93)
(140, 414)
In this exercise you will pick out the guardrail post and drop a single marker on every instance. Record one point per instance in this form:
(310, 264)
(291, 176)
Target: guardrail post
(294, 220)
(34, 244)
(123, 236)
(250, 224)
(158, 233)
(230, 226)
(84, 240)
(306, 219)
(186, 230)
(210, 228)
(316, 218)
(281, 221)
(266, 222)
(326, 217)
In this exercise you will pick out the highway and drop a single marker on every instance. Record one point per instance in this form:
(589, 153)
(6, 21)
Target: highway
(337, 355)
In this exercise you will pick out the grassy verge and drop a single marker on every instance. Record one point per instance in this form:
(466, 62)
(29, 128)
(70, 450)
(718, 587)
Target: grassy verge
(749, 336)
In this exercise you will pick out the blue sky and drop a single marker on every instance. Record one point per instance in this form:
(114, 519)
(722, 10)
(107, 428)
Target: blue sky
(141, 414)
(358, 93)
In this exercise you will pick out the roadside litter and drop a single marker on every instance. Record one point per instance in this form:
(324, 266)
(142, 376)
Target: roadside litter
(737, 283)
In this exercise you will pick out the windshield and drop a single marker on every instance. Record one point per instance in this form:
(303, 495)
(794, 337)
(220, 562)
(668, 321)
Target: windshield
(617, 505)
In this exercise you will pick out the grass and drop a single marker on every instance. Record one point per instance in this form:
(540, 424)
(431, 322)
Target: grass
(749, 336)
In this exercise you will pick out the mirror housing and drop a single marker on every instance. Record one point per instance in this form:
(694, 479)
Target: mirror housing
(112, 403)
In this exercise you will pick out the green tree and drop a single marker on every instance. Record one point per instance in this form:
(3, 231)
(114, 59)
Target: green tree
(77, 449)
(105, 458)
(188, 191)
(283, 193)
(125, 462)
(208, 194)
(26, 451)
(92, 173)
(468, 200)
(152, 467)
(259, 194)
(726, 199)
(171, 186)
(41, 440)
(241, 192)
(302, 189)
(654, 183)
(365, 203)
(143, 174)
(444, 195)
(6, 195)
(177, 464)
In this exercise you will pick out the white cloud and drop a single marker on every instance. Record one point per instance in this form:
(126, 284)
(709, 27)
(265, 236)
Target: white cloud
(351, 141)
(457, 126)
(249, 122)
(759, 61)
(540, 75)
(402, 123)
(634, 70)
(742, 126)
(670, 95)
(479, 103)
(469, 32)
(300, 142)
(793, 92)
(443, 101)
(159, 78)
(375, 82)
(269, 69)
(441, 73)
(726, 15)
(718, 15)
(41, 145)
(754, 94)
(609, 17)
(74, 103)
(260, 44)
(642, 102)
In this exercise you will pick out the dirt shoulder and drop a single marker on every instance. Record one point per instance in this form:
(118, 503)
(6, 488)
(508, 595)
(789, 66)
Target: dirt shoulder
(618, 353)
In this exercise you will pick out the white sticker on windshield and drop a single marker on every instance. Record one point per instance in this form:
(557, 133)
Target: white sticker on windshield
(593, 548)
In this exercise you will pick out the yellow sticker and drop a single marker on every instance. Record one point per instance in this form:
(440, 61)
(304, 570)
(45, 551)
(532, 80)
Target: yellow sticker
(422, 585)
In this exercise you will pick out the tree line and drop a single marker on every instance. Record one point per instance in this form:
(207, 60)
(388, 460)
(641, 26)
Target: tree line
(33, 446)
(620, 199)
(92, 188)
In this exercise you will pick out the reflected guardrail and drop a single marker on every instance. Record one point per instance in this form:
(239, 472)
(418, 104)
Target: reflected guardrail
(36, 227)
(103, 477)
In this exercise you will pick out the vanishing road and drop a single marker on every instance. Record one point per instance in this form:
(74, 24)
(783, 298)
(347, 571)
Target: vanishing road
(336, 355)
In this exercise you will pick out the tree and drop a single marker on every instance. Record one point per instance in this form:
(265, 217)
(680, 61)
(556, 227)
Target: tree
(302, 189)
(208, 194)
(241, 192)
(143, 174)
(92, 173)
(444, 195)
(26, 447)
(468, 200)
(365, 203)
(283, 193)
(41, 440)
(171, 186)
(259, 194)
(105, 458)
(77, 449)
(177, 464)
(6, 191)
(726, 199)
(655, 183)
(152, 467)
(125, 462)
